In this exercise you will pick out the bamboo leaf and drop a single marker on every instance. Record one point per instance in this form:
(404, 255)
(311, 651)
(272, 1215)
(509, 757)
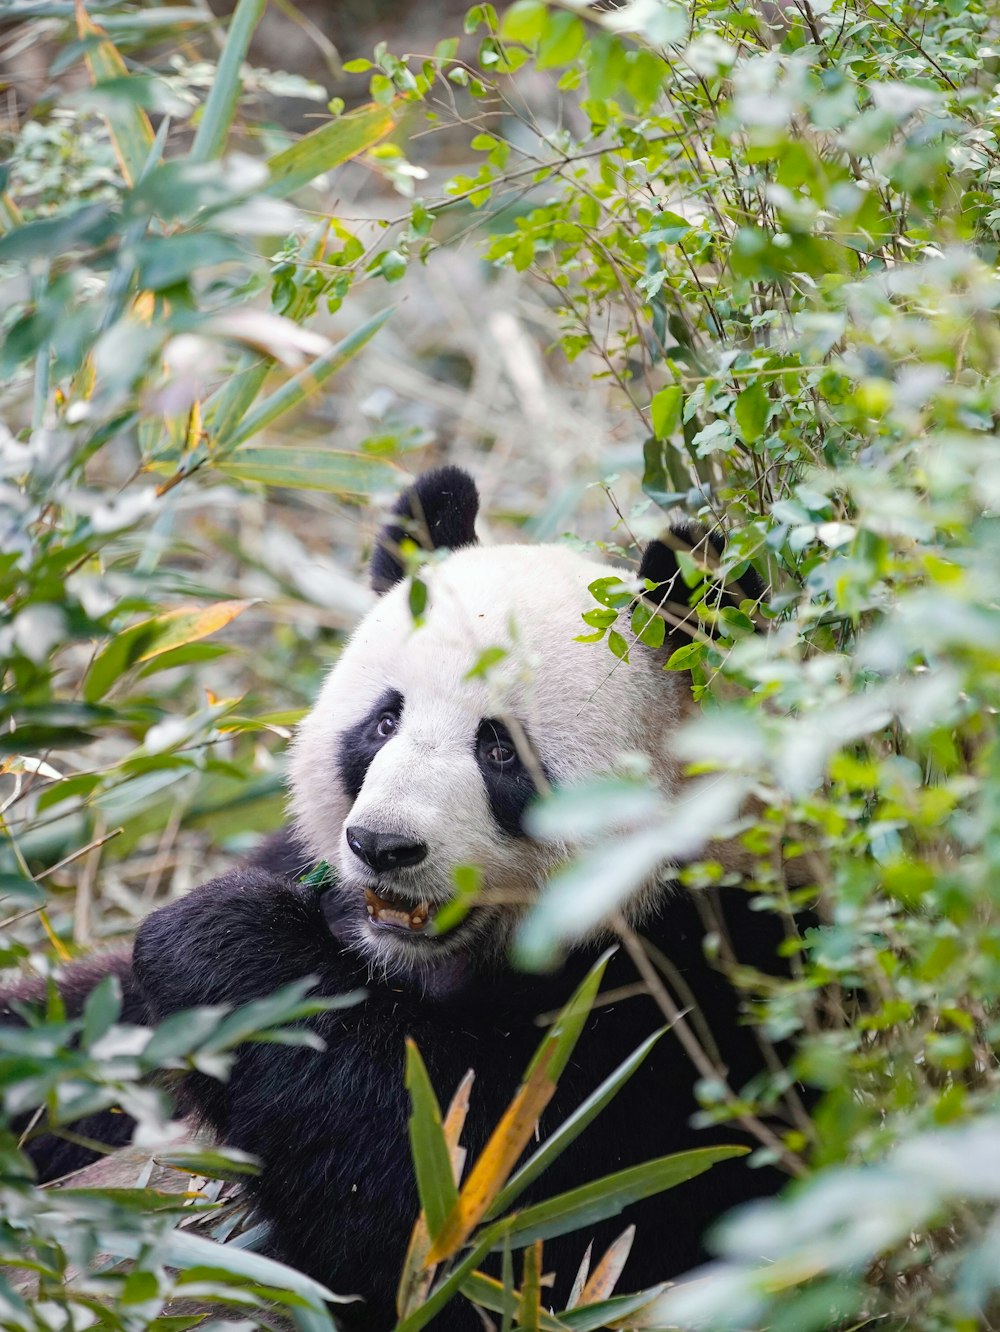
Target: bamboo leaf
(131, 132)
(605, 1276)
(530, 1305)
(296, 389)
(225, 409)
(187, 624)
(571, 1128)
(618, 1311)
(491, 1294)
(565, 1031)
(517, 1124)
(488, 1176)
(183, 1250)
(311, 469)
(440, 1296)
(428, 1145)
(606, 1197)
(220, 108)
(417, 1277)
(151, 638)
(327, 147)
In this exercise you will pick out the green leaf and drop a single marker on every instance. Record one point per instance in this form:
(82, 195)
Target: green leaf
(610, 592)
(571, 1128)
(181, 1249)
(101, 1010)
(665, 410)
(525, 21)
(751, 412)
(491, 1294)
(605, 1197)
(563, 41)
(686, 657)
(301, 385)
(487, 659)
(311, 469)
(609, 1313)
(220, 108)
(287, 1005)
(49, 237)
(618, 645)
(648, 627)
(558, 1045)
(429, 1150)
(668, 229)
(327, 147)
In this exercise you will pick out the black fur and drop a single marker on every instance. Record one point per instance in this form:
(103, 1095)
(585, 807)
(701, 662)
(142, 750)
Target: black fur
(331, 1128)
(361, 742)
(660, 566)
(438, 512)
(509, 786)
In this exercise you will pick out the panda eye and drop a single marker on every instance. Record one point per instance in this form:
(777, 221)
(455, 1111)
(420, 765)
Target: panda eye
(501, 754)
(386, 725)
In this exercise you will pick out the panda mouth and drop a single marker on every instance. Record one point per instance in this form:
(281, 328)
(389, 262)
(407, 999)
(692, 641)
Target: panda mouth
(394, 912)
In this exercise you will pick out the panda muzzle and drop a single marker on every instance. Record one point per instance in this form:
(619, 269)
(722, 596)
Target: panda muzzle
(394, 911)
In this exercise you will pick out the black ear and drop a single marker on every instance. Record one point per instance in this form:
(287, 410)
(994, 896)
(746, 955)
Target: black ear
(438, 512)
(660, 565)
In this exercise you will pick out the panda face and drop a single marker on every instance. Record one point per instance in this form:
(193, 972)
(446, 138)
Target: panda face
(417, 761)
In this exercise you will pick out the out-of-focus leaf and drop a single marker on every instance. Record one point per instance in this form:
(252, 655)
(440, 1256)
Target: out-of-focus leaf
(151, 638)
(310, 469)
(751, 411)
(218, 111)
(299, 387)
(329, 146)
(131, 131)
(50, 236)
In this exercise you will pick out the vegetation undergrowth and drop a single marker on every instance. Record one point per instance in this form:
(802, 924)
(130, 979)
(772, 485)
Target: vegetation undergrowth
(772, 230)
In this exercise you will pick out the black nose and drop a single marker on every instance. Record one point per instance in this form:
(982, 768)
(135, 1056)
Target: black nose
(385, 851)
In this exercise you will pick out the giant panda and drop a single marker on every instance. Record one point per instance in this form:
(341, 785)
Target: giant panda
(411, 764)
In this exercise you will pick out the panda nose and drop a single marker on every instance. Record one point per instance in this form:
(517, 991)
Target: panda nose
(384, 851)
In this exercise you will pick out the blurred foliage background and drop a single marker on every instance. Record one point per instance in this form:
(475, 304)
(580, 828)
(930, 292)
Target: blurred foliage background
(737, 258)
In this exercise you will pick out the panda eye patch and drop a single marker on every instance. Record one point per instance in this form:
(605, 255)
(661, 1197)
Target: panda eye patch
(501, 754)
(361, 742)
(509, 782)
(495, 745)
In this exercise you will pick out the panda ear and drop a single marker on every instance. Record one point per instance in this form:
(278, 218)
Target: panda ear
(438, 512)
(660, 565)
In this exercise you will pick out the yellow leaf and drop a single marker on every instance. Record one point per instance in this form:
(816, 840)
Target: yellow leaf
(605, 1275)
(497, 1159)
(187, 624)
(131, 132)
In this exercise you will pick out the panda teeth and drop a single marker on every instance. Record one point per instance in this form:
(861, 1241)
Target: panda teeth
(397, 913)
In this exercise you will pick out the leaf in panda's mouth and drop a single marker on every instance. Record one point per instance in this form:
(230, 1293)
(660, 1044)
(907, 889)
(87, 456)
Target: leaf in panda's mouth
(388, 909)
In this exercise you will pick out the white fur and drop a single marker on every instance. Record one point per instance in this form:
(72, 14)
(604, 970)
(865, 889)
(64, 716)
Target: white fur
(582, 712)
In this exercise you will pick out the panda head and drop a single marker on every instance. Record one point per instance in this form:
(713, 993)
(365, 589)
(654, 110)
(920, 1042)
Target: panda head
(414, 763)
